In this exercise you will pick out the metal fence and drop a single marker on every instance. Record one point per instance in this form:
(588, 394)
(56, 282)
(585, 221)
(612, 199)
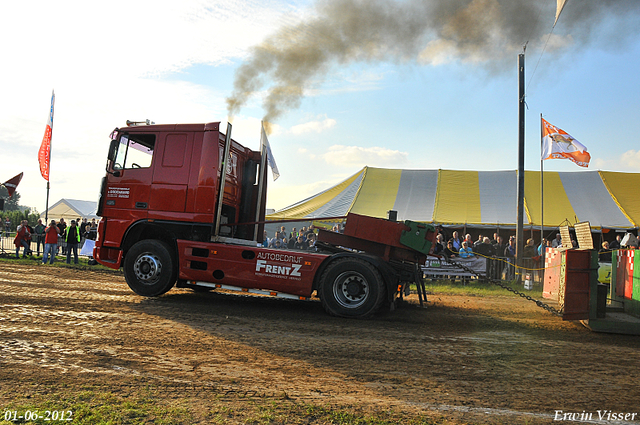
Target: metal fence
(496, 268)
(7, 247)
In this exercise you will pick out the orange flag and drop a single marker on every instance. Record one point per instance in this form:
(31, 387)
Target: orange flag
(557, 143)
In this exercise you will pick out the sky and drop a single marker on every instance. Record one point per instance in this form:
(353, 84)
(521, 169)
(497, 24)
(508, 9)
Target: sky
(343, 84)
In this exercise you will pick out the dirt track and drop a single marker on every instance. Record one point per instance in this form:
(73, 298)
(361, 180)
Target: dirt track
(465, 359)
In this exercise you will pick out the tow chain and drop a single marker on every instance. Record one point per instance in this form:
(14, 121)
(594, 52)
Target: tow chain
(499, 283)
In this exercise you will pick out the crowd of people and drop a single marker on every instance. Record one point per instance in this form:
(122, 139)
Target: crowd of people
(54, 237)
(483, 246)
(303, 239)
(628, 241)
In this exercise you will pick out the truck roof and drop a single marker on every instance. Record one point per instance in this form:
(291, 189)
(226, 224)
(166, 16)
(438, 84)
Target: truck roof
(211, 126)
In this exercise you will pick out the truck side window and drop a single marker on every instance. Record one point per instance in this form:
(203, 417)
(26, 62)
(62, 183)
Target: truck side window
(134, 151)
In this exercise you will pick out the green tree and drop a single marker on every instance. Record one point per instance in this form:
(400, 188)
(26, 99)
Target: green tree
(10, 204)
(16, 213)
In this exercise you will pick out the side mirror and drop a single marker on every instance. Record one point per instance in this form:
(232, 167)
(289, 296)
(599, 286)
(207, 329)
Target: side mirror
(113, 148)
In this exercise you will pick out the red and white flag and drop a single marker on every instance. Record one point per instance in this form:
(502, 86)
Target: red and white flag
(558, 144)
(44, 154)
(12, 184)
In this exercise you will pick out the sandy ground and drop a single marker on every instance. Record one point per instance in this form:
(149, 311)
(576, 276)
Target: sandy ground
(463, 358)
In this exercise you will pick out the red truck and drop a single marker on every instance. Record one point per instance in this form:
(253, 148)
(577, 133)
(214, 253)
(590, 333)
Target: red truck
(184, 203)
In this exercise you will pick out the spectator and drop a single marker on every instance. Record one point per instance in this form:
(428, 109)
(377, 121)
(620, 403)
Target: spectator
(529, 250)
(468, 240)
(265, 239)
(498, 248)
(495, 239)
(94, 229)
(542, 247)
(457, 243)
(86, 234)
(276, 237)
(510, 250)
(293, 234)
(50, 242)
(450, 251)
(310, 231)
(478, 242)
(61, 231)
(303, 233)
(7, 226)
(21, 239)
(510, 254)
(604, 254)
(465, 251)
(28, 237)
(72, 238)
(485, 248)
(557, 242)
(438, 247)
(615, 244)
(300, 243)
(312, 242)
(39, 231)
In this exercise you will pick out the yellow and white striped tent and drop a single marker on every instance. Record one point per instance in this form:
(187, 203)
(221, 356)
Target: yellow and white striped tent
(482, 198)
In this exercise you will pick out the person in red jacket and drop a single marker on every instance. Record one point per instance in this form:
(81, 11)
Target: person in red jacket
(22, 239)
(50, 242)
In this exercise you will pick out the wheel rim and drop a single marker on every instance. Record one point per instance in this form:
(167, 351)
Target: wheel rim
(147, 268)
(350, 289)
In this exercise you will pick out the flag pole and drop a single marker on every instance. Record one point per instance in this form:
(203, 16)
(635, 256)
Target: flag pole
(541, 182)
(44, 153)
(261, 180)
(46, 208)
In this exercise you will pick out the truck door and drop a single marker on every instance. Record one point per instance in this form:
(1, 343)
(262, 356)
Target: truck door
(171, 173)
(130, 181)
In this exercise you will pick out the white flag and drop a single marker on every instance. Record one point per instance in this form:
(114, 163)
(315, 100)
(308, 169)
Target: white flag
(560, 6)
(270, 159)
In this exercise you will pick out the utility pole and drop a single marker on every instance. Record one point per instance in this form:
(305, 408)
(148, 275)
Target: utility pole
(521, 105)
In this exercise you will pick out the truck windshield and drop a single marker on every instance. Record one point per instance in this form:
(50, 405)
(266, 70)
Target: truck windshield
(134, 151)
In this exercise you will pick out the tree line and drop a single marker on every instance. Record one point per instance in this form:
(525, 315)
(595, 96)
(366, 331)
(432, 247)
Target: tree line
(15, 212)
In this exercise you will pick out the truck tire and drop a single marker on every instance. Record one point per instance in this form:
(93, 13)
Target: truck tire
(149, 268)
(351, 287)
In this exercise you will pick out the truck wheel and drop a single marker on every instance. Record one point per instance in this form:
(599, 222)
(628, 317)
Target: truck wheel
(149, 268)
(350, 287)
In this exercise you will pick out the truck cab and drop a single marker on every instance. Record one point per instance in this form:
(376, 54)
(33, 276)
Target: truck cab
(162, 182)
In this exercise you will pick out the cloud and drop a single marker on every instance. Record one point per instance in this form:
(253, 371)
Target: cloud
(349, 156)
(313, 126)
(109, 63)
(631, 159)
